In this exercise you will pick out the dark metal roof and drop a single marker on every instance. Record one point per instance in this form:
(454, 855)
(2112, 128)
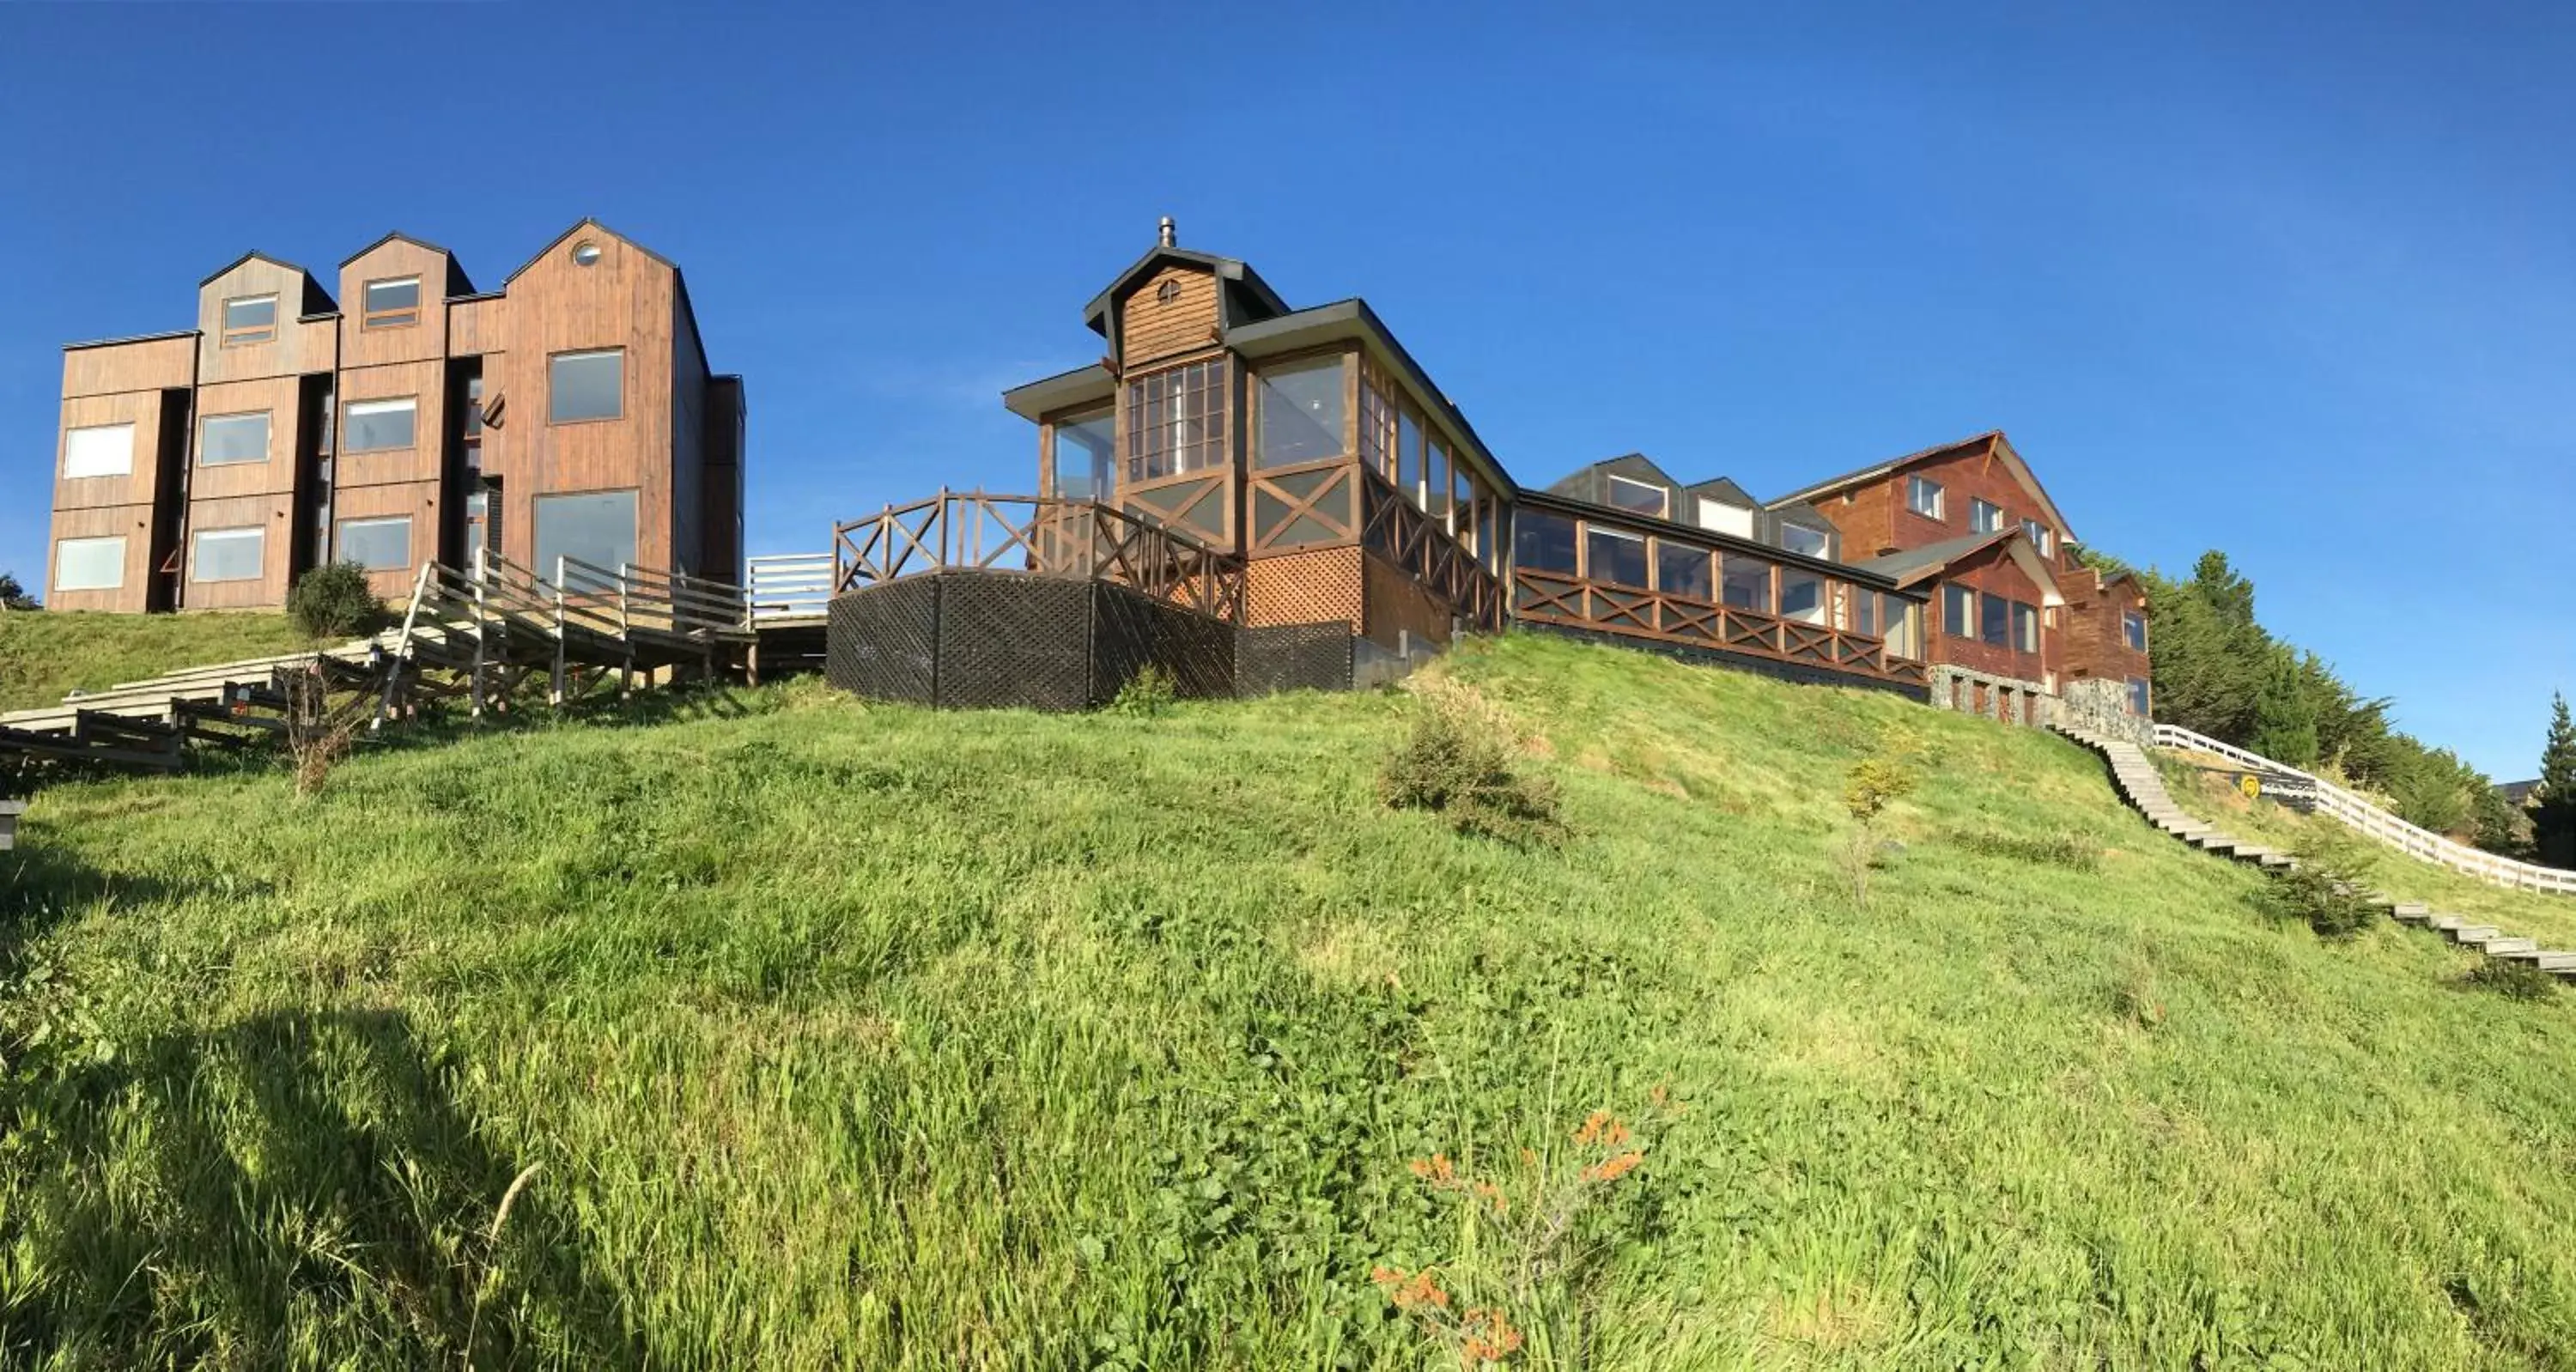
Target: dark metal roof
(136, 338)
(1232, 270)
(1725, 492)
(1629, 465)
(1932, 557)
(1353, 319)
(2002, 446)
(1862, 573)
(317, 301)
(1051, 393)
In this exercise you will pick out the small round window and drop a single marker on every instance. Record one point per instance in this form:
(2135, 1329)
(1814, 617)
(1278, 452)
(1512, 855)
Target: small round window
(586, 253)
(1168, 292)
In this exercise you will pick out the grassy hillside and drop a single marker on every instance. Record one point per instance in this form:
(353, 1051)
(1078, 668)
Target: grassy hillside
(802, 1033)
(45, 654)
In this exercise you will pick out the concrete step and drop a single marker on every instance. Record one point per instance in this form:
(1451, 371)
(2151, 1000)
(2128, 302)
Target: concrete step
(2498, 947)
(2475, 935)
(2446, 923)
(2411, 910)
(2412, 914)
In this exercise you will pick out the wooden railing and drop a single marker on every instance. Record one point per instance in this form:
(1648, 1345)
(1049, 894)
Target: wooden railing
(1556, 598)
(789, 586)
(1395, 528)
(2413, 840)
(1041, 536)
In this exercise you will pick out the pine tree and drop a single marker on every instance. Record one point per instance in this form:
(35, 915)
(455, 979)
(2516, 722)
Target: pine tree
(2553, 822)
(2285, 717)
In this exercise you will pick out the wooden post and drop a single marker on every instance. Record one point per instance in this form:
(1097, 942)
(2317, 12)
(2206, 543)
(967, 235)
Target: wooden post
(482, 626)
(401, 650)
(556, 692)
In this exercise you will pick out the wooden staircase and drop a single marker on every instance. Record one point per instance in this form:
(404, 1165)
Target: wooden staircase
(2143, 787)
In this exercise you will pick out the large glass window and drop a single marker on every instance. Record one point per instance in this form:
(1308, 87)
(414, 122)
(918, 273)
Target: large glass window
(1682, 570)
(1435, 483)
(1083, 448)
(379, 545)
(89, 564)
(1617, 557)
(1958, 612)
(597, 528)
(1863, 615)
(2039, 536)
(1543, 542)
(2139, 696)
(1301, 413)
(1994, 620)
(1744, 582)
(1408, 455)
(392, 304)
(1802, 596)
(1902, 621)
(2025, 627)
(1644, 497)
(1923, 496)
(1984, 517)
(585, 385)
(228, 554)
(99, 450)
(250, 319)
(2133, 628)
(1486, 551)
(379, 425)
(1798, 538)
(224, 439)
(1176, 421)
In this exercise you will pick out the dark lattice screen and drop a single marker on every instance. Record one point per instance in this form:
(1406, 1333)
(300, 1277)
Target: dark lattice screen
(974, 639)
(883, 642)
(1013, 641)
(1292, 657)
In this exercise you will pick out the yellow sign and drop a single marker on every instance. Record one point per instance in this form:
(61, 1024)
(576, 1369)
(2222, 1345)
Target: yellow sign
(2252, 786)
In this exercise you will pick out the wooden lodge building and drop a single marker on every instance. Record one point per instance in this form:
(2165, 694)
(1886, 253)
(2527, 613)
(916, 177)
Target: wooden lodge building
(409, 419)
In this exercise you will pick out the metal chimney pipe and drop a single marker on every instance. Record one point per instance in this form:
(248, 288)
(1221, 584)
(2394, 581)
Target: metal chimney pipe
(1167, 231)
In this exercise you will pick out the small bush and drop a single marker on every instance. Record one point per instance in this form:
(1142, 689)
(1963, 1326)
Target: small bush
(1457, 760)
(332, 601)
(2047, 850)
(1148, 693)
(1869, 788)
(2324, 892)
(2513, 980)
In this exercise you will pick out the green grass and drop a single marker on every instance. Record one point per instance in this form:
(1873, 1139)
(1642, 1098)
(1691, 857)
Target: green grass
(2548, 917)
(847, 1036)
(43, 655)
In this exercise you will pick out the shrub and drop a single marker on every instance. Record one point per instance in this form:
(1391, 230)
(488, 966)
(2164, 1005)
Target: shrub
(317, 736)
(1150, 692)
(2324, 892)
(2513, 980)
(332, 601)
(1457, 760)
(1871, 786)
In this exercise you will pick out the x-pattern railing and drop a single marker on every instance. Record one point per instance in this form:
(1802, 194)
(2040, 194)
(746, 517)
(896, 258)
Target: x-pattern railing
(1041, 536)
(1557, 598)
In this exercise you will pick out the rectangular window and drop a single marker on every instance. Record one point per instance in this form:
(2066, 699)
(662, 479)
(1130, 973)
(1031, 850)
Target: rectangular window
(1435, 483)
(392, 304)
(1176, 421)
(1682, 570)
(225, 439)
(1301, 413)
(1644, 497)
(1462, 495)
(1083, 447)
(379, 425)
(1958, 612)
(1617, 557)
(2133, 627)
(1994, 615)
(2040, 537)
(1802, 540)
(1924, 497)
(1725, 518)
(478, 520)
(99, 450)
(228, 554)
(1543, 543)
(1486, 552)
(474, 407)
(597, 529)
(2025, 627)
(584, 386)
(2139, 696)
(1984, 518)
(379, 545)
(1802, 596)
(1864, 612)
(250, 319)
(1408, 455)
(1744, 582)
(89, 564)
(1902, 623)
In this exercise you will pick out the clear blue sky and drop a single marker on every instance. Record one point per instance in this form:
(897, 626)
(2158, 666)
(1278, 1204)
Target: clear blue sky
(2301, 285)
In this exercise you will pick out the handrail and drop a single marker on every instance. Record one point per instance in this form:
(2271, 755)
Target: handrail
(2411, 839)
(1039, 535)
(788, 586)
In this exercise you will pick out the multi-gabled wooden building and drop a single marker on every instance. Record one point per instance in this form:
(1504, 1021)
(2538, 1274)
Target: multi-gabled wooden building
(569, 413)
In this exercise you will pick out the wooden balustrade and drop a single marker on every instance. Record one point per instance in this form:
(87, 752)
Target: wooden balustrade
(1040, 536)
(1544, 597)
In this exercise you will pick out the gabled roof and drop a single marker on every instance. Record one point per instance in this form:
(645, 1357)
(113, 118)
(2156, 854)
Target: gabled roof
(1916, 565)
(456, 285)
(316, 300)
(1556, 502)
(1227, 269)
(1632, 466)
(1353, 320)
(1725, 492)
(566, 237)
(209, 278)
(1997, 444)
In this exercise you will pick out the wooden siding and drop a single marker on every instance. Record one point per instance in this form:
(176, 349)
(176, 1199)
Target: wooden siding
(1395, 602)
(299, 347)
(474, 327)
(133, 523)
(1151, 331)
(423, 341)
(418, 499)
(115, 368)
(1993, 572)
(1874, 520)
(2095, 643)
(148, 412)
(281, 397)
(425, 382)
(273, 512)
(624, 300)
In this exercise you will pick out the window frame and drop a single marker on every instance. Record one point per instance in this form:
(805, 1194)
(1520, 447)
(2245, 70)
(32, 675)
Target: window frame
(89, 540)
(1645, 559)
(1824, 541)
(1104, 475)
(2041, 536)
(1529, 531)
(2142, 697)
(231, 337)
(1770, 583)
(537, 530)
(1339, 364)
(267, 437)
(1663, 496)
(1674, 549)
(1959, 610)
(340, 535)
(349, 408)
(2025, 626)
(1994, 621)
(1821, 614)
(555, 421)
(70, 433)
(371, 319)
(196, 554)
(1984, 516)
(1916, 483)
(2133, 629)
(1211, 448)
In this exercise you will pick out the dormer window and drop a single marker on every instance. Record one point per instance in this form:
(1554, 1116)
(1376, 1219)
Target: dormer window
(1984, 517)
(1924, 497)
(1642, 496)
(2040, 537)
(1806, 542)
(250, 319)
(392, 304)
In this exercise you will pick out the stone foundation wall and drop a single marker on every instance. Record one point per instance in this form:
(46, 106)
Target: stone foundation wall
(2101, 705)
(2008, 699)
